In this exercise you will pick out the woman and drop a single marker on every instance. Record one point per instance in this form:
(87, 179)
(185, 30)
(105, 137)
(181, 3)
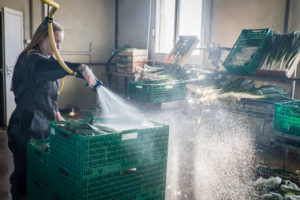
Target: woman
(35, 85)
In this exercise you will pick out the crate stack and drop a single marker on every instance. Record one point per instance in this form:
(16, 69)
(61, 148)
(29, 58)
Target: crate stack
(287, 119)
(153, 92)
(125, 165)
(128, 60)
(38, 170)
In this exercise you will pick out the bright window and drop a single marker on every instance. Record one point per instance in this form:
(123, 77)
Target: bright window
(189, 16)
(165, 18)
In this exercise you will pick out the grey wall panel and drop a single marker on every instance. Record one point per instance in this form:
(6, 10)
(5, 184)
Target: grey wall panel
(133, 22)
(231, 16)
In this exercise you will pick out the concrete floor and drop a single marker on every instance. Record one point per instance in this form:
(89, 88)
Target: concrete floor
(6, 166)
(268, 156)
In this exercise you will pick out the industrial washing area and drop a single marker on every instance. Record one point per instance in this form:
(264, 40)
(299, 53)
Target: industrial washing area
(191, 100)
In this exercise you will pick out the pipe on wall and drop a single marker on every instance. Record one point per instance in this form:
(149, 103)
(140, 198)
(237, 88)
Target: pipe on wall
(116, 24)
(287, 15)
(149, 25)
(210, 21)
(30, 18)
(176, 23)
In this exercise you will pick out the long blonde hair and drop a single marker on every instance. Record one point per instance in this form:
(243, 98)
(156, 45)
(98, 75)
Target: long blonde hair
(39, 34)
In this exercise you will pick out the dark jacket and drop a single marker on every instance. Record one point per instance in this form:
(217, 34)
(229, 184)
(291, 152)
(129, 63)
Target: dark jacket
(35, 86)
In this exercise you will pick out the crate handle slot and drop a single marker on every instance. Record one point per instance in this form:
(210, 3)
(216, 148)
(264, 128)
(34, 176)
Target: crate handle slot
(257, 31)
(169, 86)
(37, 183)
(128, 171)
(65, 135)
(37, 152)
(139, 86)
(64, 172)
(128, 136)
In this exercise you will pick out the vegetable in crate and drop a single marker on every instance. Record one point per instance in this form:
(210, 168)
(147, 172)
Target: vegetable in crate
(88, 117)
(164, 72)
(41, 145)
(270, 91)
(282, 52)
(84, 128)
(243, 57)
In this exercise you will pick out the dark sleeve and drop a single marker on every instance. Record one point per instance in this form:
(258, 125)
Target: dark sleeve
(50, 69)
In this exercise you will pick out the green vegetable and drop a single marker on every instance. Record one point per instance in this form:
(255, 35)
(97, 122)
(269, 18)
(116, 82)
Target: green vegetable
(84, 128)
(88, 117)
(282, 52)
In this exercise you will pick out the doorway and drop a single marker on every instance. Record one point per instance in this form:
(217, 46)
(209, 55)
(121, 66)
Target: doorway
(12, 45)
(1, 76)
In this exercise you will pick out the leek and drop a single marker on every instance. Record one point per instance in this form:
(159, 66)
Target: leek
(282, 52)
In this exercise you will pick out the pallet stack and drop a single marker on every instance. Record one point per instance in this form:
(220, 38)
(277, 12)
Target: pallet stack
(128, 60)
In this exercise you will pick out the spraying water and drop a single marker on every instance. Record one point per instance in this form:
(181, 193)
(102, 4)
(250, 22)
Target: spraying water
(211, 152)
(211, 155)
(113, 106)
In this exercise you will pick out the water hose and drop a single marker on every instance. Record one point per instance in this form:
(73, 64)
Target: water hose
(55, 6)
(49, 19)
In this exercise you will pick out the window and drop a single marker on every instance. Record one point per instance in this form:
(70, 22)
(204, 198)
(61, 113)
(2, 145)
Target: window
(165, 18)
(190, 17)
(174, 18)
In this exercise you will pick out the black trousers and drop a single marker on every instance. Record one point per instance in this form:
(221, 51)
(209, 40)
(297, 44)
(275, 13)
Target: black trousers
(17, 142)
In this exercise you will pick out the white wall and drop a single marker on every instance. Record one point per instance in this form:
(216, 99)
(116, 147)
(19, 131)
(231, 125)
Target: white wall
(20, 5)
(85, 22)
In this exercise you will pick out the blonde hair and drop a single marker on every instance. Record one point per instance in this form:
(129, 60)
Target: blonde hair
(39, 34)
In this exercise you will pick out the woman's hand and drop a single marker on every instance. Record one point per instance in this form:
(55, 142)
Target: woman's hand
(87, 75)
(59, 117)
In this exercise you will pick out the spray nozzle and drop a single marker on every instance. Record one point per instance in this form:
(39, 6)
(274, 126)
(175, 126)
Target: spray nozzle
(98, 84)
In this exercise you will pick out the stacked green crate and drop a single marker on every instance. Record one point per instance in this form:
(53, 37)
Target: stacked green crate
(38, 156)
(248, 52)
(156, 92)
(287, 118)
(128, 164)
(142, 183)
(37, 190)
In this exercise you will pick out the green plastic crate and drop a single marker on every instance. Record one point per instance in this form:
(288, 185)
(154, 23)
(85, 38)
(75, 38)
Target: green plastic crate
(249, 38)
(152, 92)
(141, 183)
(38, 154)
(36, 190)
(287, 117)
(98, 154)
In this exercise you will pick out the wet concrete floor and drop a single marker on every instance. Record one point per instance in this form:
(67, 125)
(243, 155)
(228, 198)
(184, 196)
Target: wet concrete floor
(6, 166)
(268, 156)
